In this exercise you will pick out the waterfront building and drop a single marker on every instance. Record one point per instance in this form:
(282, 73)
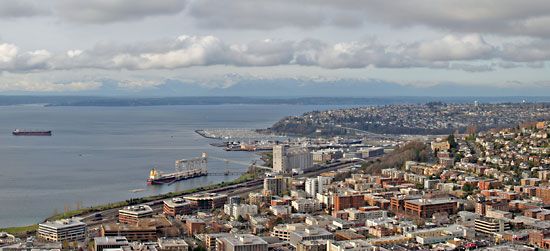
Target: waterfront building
(207, 201)
(132, 214)
(62, 230)
(177, 206)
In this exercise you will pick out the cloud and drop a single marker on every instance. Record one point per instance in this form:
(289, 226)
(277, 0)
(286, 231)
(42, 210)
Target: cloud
(537, 50)
(21, 8)
(472, 67)
(107, 11)
(7, 52)
(452, 47)
(507, 17)
(468, 52)
(40, 86)
(262, 14)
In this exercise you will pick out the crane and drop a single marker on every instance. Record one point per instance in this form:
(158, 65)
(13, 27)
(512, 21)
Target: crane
(242, 163)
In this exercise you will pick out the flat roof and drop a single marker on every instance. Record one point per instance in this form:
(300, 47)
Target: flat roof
(177, 201)
(64, 223)
(111, 240)
(424, 202)
(139, 209)
(128, 227)
(205, 196)
(244, 239)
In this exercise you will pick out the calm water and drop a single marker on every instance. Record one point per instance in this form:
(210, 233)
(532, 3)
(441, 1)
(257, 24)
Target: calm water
(100, 154)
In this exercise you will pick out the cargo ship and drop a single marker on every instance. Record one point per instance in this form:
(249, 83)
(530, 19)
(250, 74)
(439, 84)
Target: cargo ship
(19, 132)
(185, 169)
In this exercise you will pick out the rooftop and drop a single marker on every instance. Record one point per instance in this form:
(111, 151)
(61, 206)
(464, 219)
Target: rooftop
(64, 223)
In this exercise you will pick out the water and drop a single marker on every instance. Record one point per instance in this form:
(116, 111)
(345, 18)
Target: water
(100, 154)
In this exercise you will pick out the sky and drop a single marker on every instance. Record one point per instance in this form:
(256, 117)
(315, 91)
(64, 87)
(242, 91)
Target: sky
(139, 47)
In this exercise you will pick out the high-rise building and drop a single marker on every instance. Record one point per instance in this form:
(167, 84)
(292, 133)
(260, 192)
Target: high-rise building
(316, 185)
(287, 158)
(278, 185)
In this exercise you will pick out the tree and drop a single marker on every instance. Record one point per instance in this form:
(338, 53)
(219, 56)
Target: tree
(200, 248)
(452, 141)
(467, 188)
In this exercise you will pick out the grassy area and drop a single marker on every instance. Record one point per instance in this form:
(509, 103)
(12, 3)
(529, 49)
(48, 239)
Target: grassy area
(20, 230)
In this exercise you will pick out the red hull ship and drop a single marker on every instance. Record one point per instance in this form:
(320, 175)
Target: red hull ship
(18, 132)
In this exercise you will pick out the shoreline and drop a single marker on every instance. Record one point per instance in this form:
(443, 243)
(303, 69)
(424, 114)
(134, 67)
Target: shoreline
(30, 229)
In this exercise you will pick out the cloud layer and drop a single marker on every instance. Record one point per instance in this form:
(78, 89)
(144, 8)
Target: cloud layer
(468, 52)
(503, 17)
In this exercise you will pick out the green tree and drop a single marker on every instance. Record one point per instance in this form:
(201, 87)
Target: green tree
(467, 188)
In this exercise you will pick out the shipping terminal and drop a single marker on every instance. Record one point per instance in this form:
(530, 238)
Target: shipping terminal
(185, 169)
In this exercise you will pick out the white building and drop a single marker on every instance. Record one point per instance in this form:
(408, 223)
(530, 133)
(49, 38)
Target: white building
(283, 231)
(285, 158)
(306, 205)
(240, 210)
(62, 230)
(280, 210)
(316, 185)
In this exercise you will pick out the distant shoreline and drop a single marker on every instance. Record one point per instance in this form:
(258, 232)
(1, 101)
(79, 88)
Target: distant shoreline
(232, 100)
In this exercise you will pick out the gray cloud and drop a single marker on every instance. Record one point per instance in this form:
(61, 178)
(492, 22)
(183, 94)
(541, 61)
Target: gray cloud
(106, 11)
(21, 8)
(508, 17)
